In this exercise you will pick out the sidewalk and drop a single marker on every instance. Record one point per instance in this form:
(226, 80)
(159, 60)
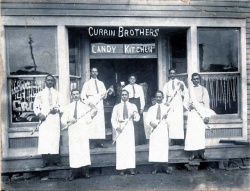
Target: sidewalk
(180, 180)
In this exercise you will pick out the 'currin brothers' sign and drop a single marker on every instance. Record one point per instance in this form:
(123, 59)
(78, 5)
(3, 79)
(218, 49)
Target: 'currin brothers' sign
(123, 32)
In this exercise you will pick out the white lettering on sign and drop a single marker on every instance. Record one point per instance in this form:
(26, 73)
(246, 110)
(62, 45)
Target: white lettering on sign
(103, 49)
(138, 49)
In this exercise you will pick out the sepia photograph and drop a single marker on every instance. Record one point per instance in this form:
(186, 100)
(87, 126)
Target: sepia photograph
(125, 94)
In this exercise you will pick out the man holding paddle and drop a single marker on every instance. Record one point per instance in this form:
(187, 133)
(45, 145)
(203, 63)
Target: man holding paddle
(122, 119)
(198, 117)
(158, 144)
(175, 90)
(93, 92)
(77, 116)
(47, 107)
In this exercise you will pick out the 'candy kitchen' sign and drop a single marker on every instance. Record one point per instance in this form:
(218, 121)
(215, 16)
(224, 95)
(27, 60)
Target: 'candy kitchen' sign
(101, 48)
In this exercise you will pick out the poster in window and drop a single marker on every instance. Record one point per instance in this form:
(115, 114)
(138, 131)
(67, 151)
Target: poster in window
(23, 93)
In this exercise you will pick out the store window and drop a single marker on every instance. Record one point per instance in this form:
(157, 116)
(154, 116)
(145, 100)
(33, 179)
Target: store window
(74, 58)
(178, 55)
(31, 55)
(218, 62)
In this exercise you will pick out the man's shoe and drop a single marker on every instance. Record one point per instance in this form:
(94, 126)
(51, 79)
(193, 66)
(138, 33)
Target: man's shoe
(121, 173)
(169, 171)
(154, 172)
(203, 157)
(44, 165)
(192, 157)
(86, 175)
(58, 164)
(71, 178)
(132, 172)
(102, 146)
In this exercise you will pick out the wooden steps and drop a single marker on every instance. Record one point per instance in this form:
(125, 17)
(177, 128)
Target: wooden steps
(107, 157)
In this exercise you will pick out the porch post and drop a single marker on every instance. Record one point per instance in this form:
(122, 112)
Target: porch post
(85, 59)
(192, 52)
(244, 82)
(5, 117)
(63, 62)
(162, 61)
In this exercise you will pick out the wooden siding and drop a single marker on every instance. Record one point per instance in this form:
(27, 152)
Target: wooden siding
(128, 8)
(248, 76)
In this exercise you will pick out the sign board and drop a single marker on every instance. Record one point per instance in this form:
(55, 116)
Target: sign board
(23, 93)
(102, 48)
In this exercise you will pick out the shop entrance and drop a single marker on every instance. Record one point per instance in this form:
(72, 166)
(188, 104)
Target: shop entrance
(115, 72)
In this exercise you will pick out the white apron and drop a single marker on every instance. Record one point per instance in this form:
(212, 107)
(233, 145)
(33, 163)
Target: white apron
(49, 130)
(158, 144)
(89, 94)
(196, 128)
(175, 118)
(79, 153)
(125, 144)
(195, 136)
(97, 127)
(49, 135)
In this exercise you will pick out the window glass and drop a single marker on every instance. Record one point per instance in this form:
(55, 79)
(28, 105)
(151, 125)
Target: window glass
(218, 49)
(178, 46)
(23, 92)
(31, 50)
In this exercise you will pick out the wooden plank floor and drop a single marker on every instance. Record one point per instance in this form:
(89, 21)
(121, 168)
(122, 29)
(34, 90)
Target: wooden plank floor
(106, 157)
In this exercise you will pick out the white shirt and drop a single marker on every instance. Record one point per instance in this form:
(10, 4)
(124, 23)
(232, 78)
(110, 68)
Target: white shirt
(138, 93)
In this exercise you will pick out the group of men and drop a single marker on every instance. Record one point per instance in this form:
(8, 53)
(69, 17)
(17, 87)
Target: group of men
(84, 119)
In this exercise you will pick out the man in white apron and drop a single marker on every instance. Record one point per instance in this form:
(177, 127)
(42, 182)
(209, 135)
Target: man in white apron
(122, 119)
(198, 116)
(47, 107)
(158, 144)
(176, 122)
(79, 153)
(136, 96)
(93, 92)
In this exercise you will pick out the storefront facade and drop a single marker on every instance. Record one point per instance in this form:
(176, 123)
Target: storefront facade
(147, 38)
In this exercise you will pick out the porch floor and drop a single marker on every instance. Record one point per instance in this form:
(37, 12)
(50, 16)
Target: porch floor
(106, 157)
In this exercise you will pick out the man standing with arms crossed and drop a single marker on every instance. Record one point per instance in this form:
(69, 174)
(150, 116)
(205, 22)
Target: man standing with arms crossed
(47, 107)
(175, 90)
(93, 92)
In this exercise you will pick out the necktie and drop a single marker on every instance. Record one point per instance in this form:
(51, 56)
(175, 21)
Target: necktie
(75, 112)
(133, 90)
(158, 115)
(173, 85)
(125, 111)
(96, 87)
(50, 98)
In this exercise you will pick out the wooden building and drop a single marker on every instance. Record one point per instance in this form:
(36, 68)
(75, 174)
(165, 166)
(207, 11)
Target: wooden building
(147, 37)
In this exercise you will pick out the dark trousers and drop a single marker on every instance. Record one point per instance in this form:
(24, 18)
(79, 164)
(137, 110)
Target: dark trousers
(51, 158)
(160, 166)
(78, 172)
(140, 136)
